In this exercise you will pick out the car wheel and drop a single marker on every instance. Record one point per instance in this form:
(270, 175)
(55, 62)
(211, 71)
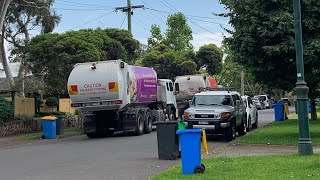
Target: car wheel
(249, 126)
(255, 124)
(242, 129)
(230, 134)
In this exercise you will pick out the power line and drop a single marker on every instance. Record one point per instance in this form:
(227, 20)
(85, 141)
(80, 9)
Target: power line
(70, 9)
(92, 20)
(170, 5)
(144, 24)
(83, 4)
(167, 6)
(151, 8)
(140, 25)
(125, 17)
(156, 16)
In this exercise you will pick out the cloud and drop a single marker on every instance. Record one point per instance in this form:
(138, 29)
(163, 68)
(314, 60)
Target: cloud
(201, 39)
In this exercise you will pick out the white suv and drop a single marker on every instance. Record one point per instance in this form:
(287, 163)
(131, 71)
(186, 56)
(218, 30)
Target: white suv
(251, 113)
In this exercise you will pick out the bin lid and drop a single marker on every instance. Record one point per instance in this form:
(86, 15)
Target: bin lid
(165, 122)
(49, 118)
(185, 131)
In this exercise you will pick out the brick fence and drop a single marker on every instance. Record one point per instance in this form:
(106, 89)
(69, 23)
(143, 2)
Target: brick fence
(35, 125)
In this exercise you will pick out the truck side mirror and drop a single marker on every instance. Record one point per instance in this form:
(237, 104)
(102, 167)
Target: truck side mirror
(176, 87)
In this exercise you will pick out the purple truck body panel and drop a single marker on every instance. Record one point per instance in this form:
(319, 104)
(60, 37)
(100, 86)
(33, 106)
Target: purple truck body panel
(143, 84)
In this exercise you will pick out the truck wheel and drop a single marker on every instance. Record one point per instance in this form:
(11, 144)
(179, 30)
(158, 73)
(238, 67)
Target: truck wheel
(91, 135)
(242, 129)
(139, 124)
(231, 132)
(147, 122)
(171, 114)
(249, 126)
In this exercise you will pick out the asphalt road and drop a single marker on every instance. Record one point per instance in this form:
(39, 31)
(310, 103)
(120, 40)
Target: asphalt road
(114, 158)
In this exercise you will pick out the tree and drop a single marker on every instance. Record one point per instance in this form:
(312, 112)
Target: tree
(156, 37)
(52, 56)
(131, 45)
(210, 56)
(168, 63)
(4, 4)
(17, 20)
(263, 41)
(178, 34)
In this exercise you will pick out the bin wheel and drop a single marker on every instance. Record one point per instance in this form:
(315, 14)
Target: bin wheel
(179, 156)
(173, 157)
(199, 170)
(203, 167)
(42, 137)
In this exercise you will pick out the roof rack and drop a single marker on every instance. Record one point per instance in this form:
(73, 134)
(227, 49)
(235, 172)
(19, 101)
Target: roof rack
(219, 89)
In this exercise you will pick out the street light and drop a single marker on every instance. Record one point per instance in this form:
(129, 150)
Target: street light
(301, 89)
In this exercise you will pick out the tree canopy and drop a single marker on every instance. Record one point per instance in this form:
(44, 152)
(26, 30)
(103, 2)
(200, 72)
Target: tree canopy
(53, 55)
(210, 56)
(177, 36)
(263, 41)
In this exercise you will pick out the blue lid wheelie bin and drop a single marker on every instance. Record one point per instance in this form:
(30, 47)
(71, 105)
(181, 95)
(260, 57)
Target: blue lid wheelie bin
(190, 144)
(49, 127)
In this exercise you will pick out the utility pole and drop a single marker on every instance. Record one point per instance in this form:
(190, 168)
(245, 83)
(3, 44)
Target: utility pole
(128, 9)
(242, 83)
(301, 89)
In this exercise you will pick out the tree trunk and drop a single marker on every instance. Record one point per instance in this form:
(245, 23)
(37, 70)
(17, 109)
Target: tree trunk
(313, 109)
(4, 4)
(4, 62)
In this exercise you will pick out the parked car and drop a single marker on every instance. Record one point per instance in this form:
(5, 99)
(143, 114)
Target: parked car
(259, 104)
(286, 100)
(218, 111)
(266, 99)
(251, 113)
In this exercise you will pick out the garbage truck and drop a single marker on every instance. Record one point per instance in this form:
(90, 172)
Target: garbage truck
(116, 96)
(187, 86)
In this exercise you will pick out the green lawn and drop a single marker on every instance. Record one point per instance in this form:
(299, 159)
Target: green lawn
(281, 133)
(255, 167)
(67, 133)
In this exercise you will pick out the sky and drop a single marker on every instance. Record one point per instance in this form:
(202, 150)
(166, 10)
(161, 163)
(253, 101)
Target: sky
(82, 14)
(79, 14)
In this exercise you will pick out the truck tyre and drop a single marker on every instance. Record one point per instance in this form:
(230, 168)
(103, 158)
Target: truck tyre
(91, 135)
(171, 114)
(147, 122)
(242, 129)
(139, 124)
(230, 133)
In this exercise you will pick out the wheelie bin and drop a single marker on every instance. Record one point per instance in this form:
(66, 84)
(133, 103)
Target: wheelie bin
(190, 143)
(49, 127)
(279, 113)
(168, 140)
(59, 125)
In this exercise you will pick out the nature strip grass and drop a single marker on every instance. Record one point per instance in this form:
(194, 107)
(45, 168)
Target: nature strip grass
(252, 167)
(281, 133)
(67, 133)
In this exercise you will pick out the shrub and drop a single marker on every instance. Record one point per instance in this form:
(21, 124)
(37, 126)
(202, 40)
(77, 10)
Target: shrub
(6, 110)
(52, 101)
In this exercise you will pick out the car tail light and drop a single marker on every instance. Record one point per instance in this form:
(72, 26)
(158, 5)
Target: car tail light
(118, 102)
